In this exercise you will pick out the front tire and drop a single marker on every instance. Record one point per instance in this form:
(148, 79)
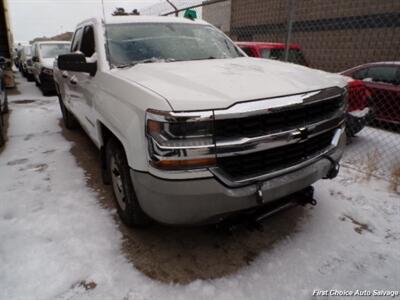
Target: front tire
(69, 119)
(44, 92)
(128, 206)
(30, 77)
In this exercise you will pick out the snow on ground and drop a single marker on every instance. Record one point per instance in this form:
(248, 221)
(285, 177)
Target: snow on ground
(57, 242)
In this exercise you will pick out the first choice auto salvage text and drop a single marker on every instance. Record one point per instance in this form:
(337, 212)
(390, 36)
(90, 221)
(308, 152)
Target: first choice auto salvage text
(361, 293)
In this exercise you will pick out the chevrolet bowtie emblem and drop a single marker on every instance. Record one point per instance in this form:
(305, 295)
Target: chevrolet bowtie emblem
(301, 133)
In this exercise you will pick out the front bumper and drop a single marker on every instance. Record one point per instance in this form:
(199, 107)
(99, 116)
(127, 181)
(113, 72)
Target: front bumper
(201, 201)
(47, 82)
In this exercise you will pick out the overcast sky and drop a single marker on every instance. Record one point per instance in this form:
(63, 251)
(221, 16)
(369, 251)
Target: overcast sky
(36, 18)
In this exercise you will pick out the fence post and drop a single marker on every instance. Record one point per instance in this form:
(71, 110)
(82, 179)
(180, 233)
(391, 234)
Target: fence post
(291, 8)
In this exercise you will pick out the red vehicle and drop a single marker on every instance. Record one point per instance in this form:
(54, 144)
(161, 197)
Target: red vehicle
(273, 51)
(383, 81)
(358, 114)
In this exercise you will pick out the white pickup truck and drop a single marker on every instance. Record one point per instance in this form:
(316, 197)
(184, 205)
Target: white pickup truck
(189, 128)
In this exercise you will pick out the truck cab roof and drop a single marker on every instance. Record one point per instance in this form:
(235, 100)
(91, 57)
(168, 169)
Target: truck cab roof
(141, 19)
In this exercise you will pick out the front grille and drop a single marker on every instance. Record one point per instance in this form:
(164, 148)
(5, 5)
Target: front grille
(259, 163)
(288, 118)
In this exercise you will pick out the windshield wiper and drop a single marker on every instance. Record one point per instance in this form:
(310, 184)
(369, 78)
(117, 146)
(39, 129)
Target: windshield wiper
(146, 61)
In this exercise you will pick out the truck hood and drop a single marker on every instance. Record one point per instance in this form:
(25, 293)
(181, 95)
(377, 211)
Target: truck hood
(48, 62)
(219, 83)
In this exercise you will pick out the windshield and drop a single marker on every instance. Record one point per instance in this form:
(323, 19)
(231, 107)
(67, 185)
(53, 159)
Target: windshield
(295, 55)
(133, 43)
(53, 50)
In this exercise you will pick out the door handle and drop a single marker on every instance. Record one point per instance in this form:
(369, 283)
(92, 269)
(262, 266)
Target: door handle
(73, 80)
(64, 74)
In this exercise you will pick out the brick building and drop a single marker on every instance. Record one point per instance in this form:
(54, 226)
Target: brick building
(334, 34)
(218, 14)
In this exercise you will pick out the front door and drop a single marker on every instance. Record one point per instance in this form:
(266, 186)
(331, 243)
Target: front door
(84, 85)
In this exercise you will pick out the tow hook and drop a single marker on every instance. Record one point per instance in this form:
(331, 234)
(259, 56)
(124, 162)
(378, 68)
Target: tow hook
(307, 196)
(334, 170)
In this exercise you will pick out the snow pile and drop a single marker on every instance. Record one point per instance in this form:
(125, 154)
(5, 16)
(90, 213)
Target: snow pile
(58, 243)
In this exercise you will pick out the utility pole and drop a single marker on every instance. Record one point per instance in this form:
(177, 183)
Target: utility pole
(174, 7)
(291, 9)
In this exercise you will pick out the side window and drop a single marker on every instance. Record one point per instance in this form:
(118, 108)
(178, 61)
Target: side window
(88, 45)
(398, 76)
(34, 52)
(278, 54)
(76, 40)
(360, 74)
(383, 74)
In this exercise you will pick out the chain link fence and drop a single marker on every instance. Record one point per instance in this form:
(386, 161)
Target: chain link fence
(359, 38)
(169, 7)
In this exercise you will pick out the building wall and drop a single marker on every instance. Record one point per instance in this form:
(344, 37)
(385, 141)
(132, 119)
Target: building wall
(334, 34)
(5, 33)
(218, 14)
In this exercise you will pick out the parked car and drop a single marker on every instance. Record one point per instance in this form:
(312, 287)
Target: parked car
(17, 58)
(273, 51)
(382, 80)
(44, 54)
(3, 100)
(27, 63)
(195, 133)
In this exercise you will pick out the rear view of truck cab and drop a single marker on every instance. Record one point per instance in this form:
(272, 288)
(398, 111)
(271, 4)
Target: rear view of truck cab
(190, 129)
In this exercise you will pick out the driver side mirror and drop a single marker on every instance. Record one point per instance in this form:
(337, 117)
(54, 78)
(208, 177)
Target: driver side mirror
(35, 59)
(76, 62)
(368, 79)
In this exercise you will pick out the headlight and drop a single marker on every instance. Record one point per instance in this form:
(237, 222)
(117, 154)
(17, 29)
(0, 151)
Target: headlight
(47, 71)
(180, 140)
